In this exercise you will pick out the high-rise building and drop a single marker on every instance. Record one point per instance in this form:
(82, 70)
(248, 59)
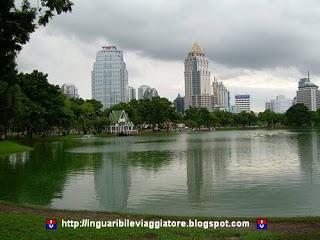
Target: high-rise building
(197, 80)
(303, 81)
(150, 93)
(146, 92)
(309, 95)
(141, 90)
(242, 103)
(281, 104)
(109, 77)
(222, 95)
(70, 90)
(132, 94)
(179, 103)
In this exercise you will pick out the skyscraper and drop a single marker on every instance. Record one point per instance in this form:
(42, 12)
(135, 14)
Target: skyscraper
(222, 95)
(150, 93)
(132, 93)
(242, 103)
(109, 77)
(141, 90)
(179, 103)
(146, 92)
(70, 90)
(308, 94)
(197, 79)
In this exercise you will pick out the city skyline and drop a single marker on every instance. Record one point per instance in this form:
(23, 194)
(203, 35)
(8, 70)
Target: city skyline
(263, 60)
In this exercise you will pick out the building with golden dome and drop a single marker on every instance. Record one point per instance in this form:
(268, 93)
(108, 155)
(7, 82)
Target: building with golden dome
(197, 80)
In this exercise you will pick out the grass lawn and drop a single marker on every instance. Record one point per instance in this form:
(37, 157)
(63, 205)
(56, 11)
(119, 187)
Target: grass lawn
(8, 146)
(26, 226)
(20, 222)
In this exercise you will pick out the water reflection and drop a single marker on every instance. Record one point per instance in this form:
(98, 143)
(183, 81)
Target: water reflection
(309, 156)
(39, 176)
(112, 182)
(199, 172)
(244, 173)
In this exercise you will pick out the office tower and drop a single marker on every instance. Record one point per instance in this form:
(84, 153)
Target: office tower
(303, 81)
(146, 92)
(109, 77)
(242, 103)
(141, 90)
(281, 104)
(309, 95)
(132, 94)
(70, 90)
(150, 93)
(197, 80)
(222, 96)
(179, 103)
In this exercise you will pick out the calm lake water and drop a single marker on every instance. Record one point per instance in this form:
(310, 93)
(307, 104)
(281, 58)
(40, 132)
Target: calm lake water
(231, 173)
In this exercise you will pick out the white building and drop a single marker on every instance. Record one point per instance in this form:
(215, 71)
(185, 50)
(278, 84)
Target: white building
(109, 77)
(281, 104)
(120, 122)
(70, 90)
(132, 93)
(222, 96)
(198, 92)
(309, 95)
(242, 103)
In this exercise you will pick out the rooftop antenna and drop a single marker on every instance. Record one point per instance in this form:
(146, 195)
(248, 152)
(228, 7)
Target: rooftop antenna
(308, 77)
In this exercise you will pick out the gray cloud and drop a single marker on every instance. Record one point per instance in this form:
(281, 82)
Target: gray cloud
(257, 47)
(244, 34)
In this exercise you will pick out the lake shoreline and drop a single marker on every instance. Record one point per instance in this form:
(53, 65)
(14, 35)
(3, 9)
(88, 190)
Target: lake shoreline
(24, 144)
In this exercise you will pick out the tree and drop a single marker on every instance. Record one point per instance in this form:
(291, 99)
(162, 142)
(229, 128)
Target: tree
(242, 118)
(48, 97)
(198, 117)
(298, 115)
(16, 25)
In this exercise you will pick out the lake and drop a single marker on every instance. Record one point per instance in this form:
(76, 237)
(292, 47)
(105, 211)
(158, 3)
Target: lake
(224, 173)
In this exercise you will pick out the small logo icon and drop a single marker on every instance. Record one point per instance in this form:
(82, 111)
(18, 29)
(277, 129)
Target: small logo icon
(262, 224)
(51, 223)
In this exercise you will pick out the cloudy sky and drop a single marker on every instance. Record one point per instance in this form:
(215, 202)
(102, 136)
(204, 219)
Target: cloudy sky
(257, 47)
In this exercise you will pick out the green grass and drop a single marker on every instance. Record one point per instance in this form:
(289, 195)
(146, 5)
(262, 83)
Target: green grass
(26, 226)
(8, 146)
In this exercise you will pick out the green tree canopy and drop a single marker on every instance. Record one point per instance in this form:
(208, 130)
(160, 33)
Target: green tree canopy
(298, 115)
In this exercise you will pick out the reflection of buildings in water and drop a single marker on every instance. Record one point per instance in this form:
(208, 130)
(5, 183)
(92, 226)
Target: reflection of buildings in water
(242, 147)
(308, 153)
(221, 155)
(199, 173)
(207, 162)
(18, 158)
(112, 181)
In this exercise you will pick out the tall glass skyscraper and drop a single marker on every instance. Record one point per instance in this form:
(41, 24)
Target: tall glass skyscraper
(197, 80)
(109, 77)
